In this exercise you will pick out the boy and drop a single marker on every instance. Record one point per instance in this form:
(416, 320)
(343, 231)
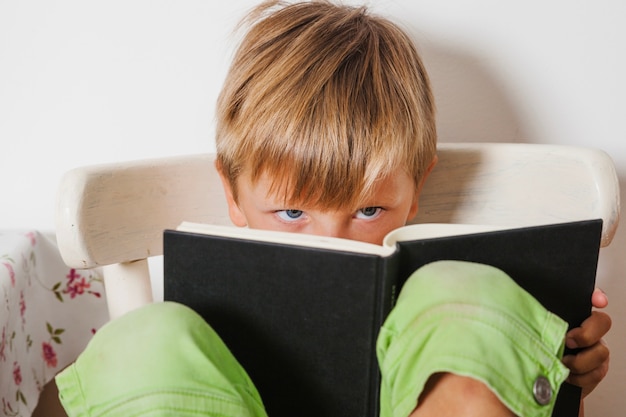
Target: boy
(326, 126)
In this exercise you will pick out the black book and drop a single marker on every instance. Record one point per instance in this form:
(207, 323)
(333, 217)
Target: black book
(301, 313)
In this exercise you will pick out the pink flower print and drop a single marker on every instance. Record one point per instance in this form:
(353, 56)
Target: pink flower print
(33, 239)
(77, 287)
(9, 267)
(17, 373)
(76, 284)
(72, 276)
(49, 355)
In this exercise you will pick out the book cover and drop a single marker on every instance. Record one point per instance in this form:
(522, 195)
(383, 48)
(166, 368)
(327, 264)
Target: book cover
(301, 313)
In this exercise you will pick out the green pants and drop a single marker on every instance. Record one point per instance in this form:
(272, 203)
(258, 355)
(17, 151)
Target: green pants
(469, 319)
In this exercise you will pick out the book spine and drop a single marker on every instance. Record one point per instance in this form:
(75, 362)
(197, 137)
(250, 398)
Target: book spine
(389, 286)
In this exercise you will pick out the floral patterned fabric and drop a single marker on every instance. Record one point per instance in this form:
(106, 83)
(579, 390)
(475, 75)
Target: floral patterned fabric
(48, 313)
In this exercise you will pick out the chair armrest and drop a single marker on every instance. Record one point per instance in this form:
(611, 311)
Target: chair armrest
(115, 213)
(521, 185)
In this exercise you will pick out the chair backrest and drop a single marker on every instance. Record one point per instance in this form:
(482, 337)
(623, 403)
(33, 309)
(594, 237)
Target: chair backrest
(114, 215)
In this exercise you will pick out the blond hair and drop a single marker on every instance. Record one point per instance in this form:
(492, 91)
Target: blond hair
(324, 100)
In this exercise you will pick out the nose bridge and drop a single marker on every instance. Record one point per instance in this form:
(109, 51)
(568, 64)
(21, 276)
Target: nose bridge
(332, 225)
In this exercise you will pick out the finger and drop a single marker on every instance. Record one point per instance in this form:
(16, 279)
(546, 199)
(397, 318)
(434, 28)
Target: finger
(590, 331)
(589, 380)
(599, 299)
(588, 360)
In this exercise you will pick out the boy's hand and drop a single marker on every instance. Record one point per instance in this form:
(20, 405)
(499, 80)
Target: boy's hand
(589, 366)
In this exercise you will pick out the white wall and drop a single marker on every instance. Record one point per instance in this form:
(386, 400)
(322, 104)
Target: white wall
(84, 82)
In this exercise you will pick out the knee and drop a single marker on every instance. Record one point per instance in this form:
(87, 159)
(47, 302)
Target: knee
(459, 281)
(447, 394)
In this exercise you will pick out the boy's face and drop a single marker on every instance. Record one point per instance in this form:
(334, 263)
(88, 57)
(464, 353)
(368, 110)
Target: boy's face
(394, 201)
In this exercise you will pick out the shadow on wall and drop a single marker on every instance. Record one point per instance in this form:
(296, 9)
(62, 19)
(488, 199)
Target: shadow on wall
(472, 105)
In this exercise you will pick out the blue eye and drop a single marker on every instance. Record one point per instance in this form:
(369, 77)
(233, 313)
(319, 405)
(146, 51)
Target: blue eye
(368, 212)
(289, 215)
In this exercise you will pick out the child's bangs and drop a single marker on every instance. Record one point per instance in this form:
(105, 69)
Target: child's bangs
(324, 179)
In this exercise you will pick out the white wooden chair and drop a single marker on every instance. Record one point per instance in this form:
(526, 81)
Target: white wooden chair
(113, 215)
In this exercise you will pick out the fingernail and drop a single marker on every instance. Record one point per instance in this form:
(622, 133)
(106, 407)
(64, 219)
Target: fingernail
(571, 343)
